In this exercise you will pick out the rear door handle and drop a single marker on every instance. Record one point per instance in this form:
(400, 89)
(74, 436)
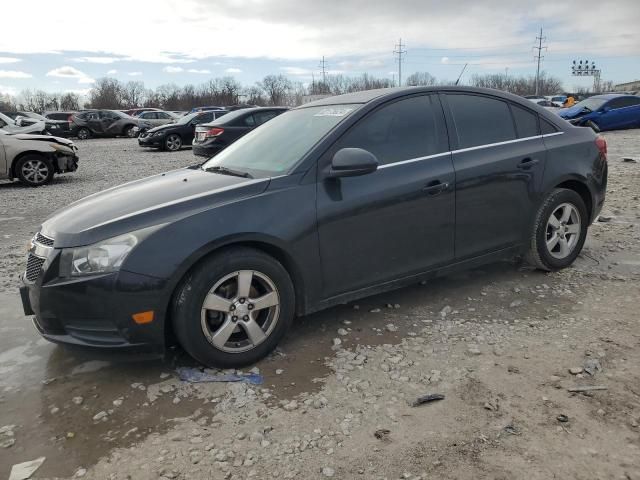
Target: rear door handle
(434, 188)
(527, 163)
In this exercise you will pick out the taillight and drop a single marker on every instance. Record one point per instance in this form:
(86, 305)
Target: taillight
(601, 143)
(214, 132)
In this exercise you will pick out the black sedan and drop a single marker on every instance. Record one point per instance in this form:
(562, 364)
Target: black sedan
(329, 202)
(173, 136)
(215, 136)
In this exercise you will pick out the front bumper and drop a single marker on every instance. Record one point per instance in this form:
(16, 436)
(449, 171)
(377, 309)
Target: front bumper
(66, 163)
(96, 310)
(145, 140)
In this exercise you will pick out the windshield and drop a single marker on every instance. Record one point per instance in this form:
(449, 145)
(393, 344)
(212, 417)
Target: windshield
(591, 104)
(187, 118)
(275, 147)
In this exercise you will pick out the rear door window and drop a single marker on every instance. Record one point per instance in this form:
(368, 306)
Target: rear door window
(623, 102)
(261, 117)
(480, 120)
(526, 122)
(249, 121)
(402, 130)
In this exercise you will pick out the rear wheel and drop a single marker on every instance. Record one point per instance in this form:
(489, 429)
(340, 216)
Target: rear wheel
(173, 142)
(34, 170)
(233, 308)
(559, 231)
(83, 133)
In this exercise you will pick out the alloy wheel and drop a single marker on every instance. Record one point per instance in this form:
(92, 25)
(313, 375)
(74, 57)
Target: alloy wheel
(240, 311)
(83, 134)
(173, 142)
(35, 171)
(563, 230)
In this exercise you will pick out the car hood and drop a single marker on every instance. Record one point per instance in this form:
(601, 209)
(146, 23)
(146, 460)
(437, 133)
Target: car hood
(572, 112)
(146, 202)
(161, 127)
(45, 138)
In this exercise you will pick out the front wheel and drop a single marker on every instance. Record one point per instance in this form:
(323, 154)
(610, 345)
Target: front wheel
(233, 308)
(559, 231)
(173, 142)
(130, 132)
(593, 125)
(34, 170)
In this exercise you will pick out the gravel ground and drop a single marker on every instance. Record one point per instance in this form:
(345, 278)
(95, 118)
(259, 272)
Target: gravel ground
(503, 344)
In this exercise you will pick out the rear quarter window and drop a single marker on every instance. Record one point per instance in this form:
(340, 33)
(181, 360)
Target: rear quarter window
(526, 122)
(480, 120)
(546, 127)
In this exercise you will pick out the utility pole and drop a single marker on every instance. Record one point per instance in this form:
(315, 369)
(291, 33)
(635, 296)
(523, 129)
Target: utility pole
(323, 69)
(539, 57)
(399, 51)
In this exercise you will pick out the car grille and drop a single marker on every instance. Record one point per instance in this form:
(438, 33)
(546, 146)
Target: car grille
(46, 241)
(34, 267)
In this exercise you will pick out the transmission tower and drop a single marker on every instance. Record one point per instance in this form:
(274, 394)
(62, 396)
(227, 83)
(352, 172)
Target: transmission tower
(399, 50)
(323, 70)
(539, 47)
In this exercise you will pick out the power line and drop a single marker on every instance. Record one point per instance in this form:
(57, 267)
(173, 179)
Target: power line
(539, 57)
(399, 51)
(323, 69)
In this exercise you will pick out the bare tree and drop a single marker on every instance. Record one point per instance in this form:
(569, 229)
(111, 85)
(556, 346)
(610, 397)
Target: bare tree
(421, 79)
(277, 88)
(132, 94)
(70, 101)
(106, 93)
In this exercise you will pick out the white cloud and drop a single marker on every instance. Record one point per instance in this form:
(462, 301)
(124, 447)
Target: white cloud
(10, 60)
(444, 60)
(70, 72)
(134, 74)
(83, 92)
(195, 70)
(296, 71)
(233, 70)
(112, 72)
(14, 74)
(172, 69)
(101, 60)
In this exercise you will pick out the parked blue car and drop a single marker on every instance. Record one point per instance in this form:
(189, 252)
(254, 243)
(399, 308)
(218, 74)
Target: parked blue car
(605, 112)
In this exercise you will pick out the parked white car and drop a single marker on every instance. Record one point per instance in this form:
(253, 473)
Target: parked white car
(9, 125)
(34, 159)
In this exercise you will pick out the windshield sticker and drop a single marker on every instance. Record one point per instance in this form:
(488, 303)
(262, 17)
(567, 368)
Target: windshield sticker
(333, 112)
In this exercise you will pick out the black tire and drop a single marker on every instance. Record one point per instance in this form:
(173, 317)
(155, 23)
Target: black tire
(191, 320)
(128, 131)
(34, 170)
(551, 259)
(83, 133)
(173, 142)
(593, 125)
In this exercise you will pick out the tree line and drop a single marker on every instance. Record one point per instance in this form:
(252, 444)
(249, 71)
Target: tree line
(110, 93)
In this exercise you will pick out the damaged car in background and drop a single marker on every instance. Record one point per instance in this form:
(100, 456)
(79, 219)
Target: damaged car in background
(34, 159)
(10, 125)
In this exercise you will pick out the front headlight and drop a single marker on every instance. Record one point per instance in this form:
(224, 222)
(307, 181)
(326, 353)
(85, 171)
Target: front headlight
(102, 257)
(157, 134)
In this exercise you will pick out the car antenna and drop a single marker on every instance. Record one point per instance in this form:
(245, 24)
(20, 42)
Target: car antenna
(463, 69)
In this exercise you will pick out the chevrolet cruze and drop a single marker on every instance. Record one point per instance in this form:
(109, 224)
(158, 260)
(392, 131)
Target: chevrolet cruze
(329, 202)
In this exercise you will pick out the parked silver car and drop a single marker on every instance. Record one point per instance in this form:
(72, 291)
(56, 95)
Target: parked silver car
(34, 159)
(147, 120)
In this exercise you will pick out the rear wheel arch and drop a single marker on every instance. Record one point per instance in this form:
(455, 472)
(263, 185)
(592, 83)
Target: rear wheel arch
(581, 189)
(274, 251)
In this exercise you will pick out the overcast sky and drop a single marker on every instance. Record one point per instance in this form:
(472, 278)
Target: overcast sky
(67, 46)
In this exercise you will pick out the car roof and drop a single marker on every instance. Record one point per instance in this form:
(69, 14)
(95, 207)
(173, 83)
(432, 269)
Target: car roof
(367, 96)
(609, 96)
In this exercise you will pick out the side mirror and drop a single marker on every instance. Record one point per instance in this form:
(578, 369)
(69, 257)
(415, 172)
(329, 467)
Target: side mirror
(351, 162)
(19, 121)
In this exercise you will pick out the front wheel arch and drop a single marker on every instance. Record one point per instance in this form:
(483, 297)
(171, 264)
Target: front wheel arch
(270, 249)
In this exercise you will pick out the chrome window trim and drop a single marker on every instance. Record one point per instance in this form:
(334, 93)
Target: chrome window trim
(461, 150)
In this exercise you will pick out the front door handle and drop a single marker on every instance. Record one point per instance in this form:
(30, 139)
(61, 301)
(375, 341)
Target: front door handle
(527, 163)
(434, 188)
